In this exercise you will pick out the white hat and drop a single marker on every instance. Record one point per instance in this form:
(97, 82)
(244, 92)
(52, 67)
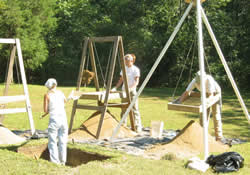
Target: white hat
(50, 83)
(197, 76)
(129, 57)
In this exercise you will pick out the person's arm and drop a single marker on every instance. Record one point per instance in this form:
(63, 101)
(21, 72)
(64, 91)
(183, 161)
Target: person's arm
(118, 84)
(184, 96)
(45, 105)
(66, 99)
(187, 92)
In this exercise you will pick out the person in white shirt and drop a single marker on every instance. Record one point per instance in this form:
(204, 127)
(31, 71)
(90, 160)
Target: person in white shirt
(58, 128)
(212, 89)
(133, 76)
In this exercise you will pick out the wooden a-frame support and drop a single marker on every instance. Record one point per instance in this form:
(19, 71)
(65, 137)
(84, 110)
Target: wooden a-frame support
(8, 99)
(102, 106)
(200, 16)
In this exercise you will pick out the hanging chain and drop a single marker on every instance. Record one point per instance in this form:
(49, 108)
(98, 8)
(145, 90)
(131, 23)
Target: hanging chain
(183, 68)
(99, 64)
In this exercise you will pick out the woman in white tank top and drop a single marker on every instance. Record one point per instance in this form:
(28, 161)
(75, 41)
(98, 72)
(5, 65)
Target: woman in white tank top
(58, 128)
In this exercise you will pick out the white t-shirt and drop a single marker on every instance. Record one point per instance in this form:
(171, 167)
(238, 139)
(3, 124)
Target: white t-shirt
(132, 73)
(211, 85)
(56, 103)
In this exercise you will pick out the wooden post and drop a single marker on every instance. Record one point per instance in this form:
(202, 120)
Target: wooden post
(25, 88)
(17, 46)
(99, 96)
(9, 76)
(154, 67)
(223, 60)
(110, 78)
(202, 75)
(10, 70)
(92, 59)
(79, 81)
(125, 81)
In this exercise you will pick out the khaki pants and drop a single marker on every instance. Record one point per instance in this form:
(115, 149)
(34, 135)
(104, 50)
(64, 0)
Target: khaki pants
(136, 113)
(216, 112)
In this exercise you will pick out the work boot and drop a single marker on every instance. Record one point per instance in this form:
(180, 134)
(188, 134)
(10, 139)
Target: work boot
(177, 101)
(223, 140)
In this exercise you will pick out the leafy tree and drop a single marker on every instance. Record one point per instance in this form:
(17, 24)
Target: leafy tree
(52, 32)
(30, 21)
(228, 19)
(76, 20)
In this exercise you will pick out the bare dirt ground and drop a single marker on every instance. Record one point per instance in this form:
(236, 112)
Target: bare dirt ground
(185, 143)
(89, 128)
(188, 143)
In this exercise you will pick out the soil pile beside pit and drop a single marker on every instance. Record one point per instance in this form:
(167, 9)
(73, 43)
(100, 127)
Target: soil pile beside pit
(89, 128)
(8, 137)
(188, 143)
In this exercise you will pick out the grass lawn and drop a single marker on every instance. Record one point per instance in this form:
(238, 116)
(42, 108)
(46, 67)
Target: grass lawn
(153, 106)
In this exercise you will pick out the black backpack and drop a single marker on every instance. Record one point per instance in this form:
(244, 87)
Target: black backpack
(226, 162)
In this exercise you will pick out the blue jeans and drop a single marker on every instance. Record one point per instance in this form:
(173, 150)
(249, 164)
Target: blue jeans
(58, 137)
(136, 112)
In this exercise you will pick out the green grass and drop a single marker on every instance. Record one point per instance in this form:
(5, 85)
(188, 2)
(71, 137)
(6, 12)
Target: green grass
(153, 106)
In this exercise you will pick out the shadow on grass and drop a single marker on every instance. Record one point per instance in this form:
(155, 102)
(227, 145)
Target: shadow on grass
(232, 114)
(14, 147)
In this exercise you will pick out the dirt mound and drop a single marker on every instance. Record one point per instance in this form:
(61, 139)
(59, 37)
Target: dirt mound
(89, 128)
(8, 137)
(188, 143)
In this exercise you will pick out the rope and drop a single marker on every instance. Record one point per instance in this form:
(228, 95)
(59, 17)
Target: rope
(192, 62)
(207, 64)
(108, 64)
(7, 68)
(183, 68)
(104, 83)
(17, 71)
(119, 62)
(180, 7)
(87, 66)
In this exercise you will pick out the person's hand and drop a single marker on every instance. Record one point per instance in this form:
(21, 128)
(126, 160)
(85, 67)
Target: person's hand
(74, 95)
(113, 89)
(130, 89)
(70, 97)
(42, 116)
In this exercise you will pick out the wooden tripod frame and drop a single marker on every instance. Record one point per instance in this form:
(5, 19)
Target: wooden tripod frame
(8, 99)
(102, 106)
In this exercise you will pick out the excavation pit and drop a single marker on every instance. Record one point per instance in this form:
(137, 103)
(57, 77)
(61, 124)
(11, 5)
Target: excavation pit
(75, 157)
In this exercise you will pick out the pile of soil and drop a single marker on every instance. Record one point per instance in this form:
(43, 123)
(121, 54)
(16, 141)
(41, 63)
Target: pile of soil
(8, 137)
(89, 128)
(188, 143)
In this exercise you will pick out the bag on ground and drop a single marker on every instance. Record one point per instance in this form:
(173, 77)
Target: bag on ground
(226, 162)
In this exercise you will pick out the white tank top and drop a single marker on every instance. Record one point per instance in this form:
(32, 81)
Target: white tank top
(56, 103)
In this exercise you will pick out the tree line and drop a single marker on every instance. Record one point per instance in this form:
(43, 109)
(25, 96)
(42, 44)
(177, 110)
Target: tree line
(52, 33)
